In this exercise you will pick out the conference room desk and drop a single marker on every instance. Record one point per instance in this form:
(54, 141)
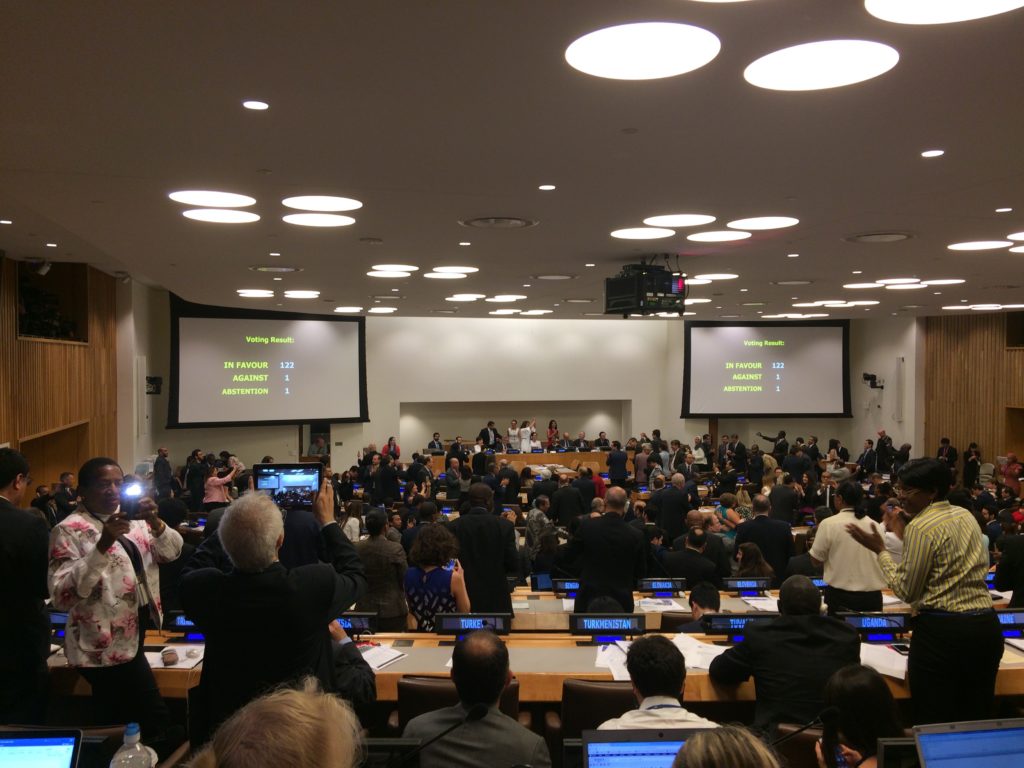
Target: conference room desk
(570, 459)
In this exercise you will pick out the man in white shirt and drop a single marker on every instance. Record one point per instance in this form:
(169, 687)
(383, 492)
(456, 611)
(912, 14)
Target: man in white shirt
(855, 582)
(658, 671)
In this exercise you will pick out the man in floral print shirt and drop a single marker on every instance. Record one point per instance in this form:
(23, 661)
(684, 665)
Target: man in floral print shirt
(104, 573)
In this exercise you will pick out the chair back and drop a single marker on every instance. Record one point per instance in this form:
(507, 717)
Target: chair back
(671, 621)
(588, 703)
(797, 752)
(419, 695)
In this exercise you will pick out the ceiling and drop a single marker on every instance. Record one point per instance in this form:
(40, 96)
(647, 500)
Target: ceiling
(432, 113)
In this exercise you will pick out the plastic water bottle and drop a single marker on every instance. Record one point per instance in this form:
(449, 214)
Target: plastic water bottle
(133, 753)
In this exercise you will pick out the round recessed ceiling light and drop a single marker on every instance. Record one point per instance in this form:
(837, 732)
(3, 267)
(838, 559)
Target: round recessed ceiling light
(444, 275)
(546, 187)
(998, 210)
(220, 215)
(688, 302)
(504, 298)
(905, 286)
(258, 106)
(254, 293)
(318, 219)
(504, 312)
(643, 51)
(679, 220)
(823, 64)
(208, 198)
(979, 245)
(718, 236)
(393, 273)
(945, 281)
(462, 270)
(643, 233)
(697, 281)
(1017, 249)
(344, 310)
(395, 267)
(321, 203)
(382, 310)
(897, 280)
(858, 286)
(718, 276)
(554, 277)
(937, 11)
(301, 294)
(933, 153)
(536, 312)
(764, 222)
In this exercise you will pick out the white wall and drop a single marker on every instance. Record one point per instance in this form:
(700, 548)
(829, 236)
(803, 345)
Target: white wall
(452, 374)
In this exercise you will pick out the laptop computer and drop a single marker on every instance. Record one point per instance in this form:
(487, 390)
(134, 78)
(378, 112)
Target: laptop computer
(976, 744)
(641, 748)
(40, 748)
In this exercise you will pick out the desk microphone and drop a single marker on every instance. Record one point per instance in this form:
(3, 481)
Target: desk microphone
(828, 714)
(476, 712)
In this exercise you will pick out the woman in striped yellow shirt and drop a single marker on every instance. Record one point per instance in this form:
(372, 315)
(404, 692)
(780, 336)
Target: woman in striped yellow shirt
(956, 643)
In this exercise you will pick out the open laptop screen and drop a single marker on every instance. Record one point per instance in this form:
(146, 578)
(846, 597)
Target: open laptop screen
(983, 744)
(646, 748)
(39, 749)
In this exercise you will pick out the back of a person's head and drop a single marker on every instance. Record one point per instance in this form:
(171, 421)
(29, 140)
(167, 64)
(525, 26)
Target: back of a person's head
(434, 546)
(696, 538)
(250, 531)
(867, 710)
(656, 666)
(375, 521)
(799, 597)
(851, 493)
(12, 464)
(705, 594)
(480, 668)
(615, 500)
(286, 728)
(760, 504)
(605, 604)
(481, 495)
(427, 512)
(730, 746)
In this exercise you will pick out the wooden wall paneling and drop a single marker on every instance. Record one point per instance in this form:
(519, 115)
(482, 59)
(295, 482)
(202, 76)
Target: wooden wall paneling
(62, 451)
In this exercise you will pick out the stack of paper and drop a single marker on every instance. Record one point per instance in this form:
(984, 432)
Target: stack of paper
(698, 655)
(568, 604)
(769, 604)
(379, 656)
(890, 600)
(659, 605)
(1018, 644)
(884, 659)
(613, 658)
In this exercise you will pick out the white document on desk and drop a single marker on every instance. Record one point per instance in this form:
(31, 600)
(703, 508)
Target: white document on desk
(884, 659)
(769, 604)
(1007, 595)
(1017, 644)
(379, 656)
(698, 655)
(568, 604)
(891, 600)
(659, 605)
(522, 605)
(611, 653)
(184, 660)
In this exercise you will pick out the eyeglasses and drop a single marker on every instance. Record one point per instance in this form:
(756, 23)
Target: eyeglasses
(904, 493)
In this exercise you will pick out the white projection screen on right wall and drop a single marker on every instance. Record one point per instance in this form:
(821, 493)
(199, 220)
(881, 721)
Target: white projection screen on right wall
(767, 369)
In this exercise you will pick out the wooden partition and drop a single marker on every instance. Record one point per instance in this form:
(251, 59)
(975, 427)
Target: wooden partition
(48, 387)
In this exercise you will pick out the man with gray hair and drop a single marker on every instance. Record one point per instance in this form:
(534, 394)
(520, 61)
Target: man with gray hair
(292, 607)
(545, 486)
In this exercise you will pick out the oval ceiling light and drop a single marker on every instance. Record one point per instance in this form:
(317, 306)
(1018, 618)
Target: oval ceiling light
(985, 307)
(956, 306)
(945, 281)
(859, 286)
(444, 275)
(535, 312)
(979, 245)
(554, 277)
(1017, 249)
(643, 233)
(461, 270)
(929, 153)
(382, 310)
(764, 222)
(318, 219)
(905, 286)
(255, 293)
(387, 273)
(301, 294)
(258, 106)
(547, 187)
(819, 65)
(717, 276)
(208, 198)
(348, 310)
(679, 220)
(504, 298)
(643, 51)
(718, 236)
(221, 215)
(325, 203)
(395, 267)
(898, 280)
(862, 303)
(937, 11)
(697, 281)
(1016, 236)
(465, 297)
(504, 312)
(696, 301)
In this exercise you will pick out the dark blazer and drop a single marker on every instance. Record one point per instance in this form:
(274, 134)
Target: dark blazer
(67, 502)
(613, 556)
(566, 503)
(785, 503)
(616, 463)
(581, 445)
(489, 436)
(692, 566)
(293, 608)
(586, 488)
(162, 474)
(714, 550)
(671, 507)
(801, 565)
(790, 660)
(386, 485)
(1010, 571)
(487, 552)
(774, 537)
(479, 461)
(543, 488)
(302, 539)
(384, 564)
(867, 461)
(435, 445)
(739, 457)
(512, 491)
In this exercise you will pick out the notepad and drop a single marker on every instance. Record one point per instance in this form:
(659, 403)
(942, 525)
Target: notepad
(659, 605)
(379, 656)
(884, 660)
(698, 655)
(768, 604)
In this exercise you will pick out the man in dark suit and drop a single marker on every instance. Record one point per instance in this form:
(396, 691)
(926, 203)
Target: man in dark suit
(435, 443)
(704, 599)
(1010, 571)
(581, 443)
(780, 446)
(457, 451)
(386, 489)
(545, 486)
(868, 459)
(566, 503)
(487, 551)
(785, 500)
(714, 547)
(602, 441)
(722, 455)
(294, 608)
(613, 555)
(690, 563)
(489, 435)
(774, 537)
(25, 640)
(65, 496)
(739, 454)
(813, 452)
(948, 454)
(162, 474)
(585, 485)
(481, 459)
(790, 658)
(508, 473)
(616, 463)
(671, 506)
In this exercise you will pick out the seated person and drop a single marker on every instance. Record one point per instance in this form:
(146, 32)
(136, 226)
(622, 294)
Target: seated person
(430, 586)
(790, 658)
(730, 745)
(802, 564)
(354, 679)
(704, 599)
(690, 562)
(321, 731)
(867, 713)
(752, 563)
(480, 672)
(658, 671)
